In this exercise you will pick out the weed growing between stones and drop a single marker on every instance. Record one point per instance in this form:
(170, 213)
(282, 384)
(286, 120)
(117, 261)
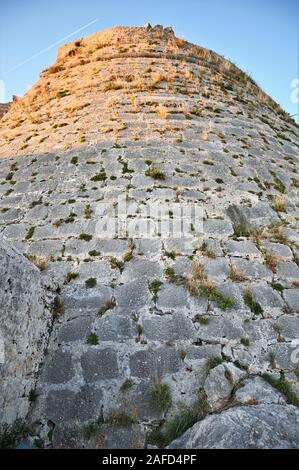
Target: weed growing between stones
(249, 299)
(85, 237)
(36, 203)
(92, 429)
(212, 293)
(115, 263)
(170, 254)
(279, 204)
(284, 387)
(74, 160)
(154, 287)
(90, 282)
(271, 261)
(235, 274)
(118, 418)
(160, 396)
(278, 184)
(70, 276)
(92, 339)
(245, 342)
(128, 256)
(39, 261)
(212, 362)
(275, 233)
(88, 212)
(171, 276)
(121, 419)
(139, 329)
(201, 319)
(127, 385)
(30, 233)
(242, 230)
(207, 251)
(94, 253)
(99, 176)
(109, 305)
(184, 419)
(155, 173)
(276, 286)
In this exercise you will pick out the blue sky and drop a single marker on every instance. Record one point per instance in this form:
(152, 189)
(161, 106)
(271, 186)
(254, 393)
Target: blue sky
(260, 36)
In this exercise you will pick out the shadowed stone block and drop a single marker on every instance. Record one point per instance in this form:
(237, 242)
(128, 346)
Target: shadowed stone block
(132, 296)
(46, 248)
(80, 297)
(99, 364)
(168, 327)
(66, 405)
(115, 327)
(75, 330)
(172, 297)
(58, 367)
(154, 363)
(217, 228)
(241, 248)
(220, 329)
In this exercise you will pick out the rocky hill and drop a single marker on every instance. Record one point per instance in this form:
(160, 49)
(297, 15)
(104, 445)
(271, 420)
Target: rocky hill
(167, 336)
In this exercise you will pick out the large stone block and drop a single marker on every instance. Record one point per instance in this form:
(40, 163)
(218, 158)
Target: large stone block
(245, 427)
(99, 364)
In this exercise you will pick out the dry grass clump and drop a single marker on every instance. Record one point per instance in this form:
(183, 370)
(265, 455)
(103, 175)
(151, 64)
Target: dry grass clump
(207, 251)
(274, 232)
(162, 112)
(113, 84)
(198, 278)
(76, 107)
(271, 261)
(39, 261)
(235, 274)
(279, 203)
(158, 78)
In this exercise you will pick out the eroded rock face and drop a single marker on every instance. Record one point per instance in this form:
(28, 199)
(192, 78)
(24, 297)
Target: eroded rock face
(245, 427)
(25, 320)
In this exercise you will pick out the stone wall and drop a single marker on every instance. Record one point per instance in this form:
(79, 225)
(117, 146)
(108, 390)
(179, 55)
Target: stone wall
(25, 323)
